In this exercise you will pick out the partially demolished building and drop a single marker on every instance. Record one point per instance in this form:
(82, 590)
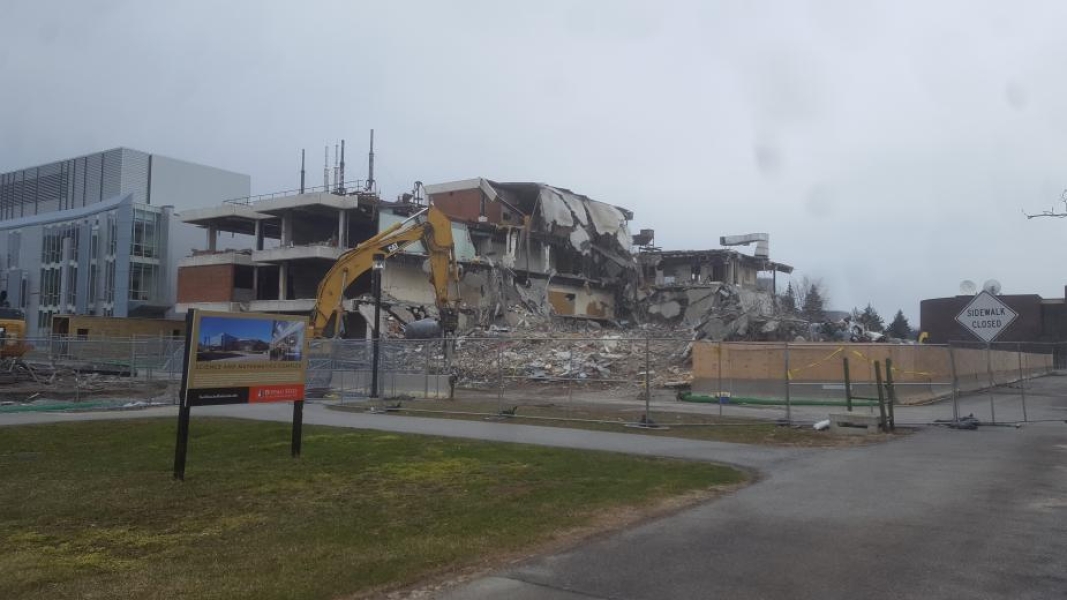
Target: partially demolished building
(558, 245)
(534, 247)
(719, 293)
(528, 251)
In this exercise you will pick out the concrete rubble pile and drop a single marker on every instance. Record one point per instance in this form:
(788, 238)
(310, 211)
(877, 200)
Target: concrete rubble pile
(720, 312)
(613, 358)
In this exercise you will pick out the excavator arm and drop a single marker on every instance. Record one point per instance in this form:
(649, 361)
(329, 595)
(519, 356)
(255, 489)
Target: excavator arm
(429, 226)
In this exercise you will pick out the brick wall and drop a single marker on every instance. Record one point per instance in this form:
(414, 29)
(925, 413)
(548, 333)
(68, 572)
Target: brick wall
(465, 205)
(210, 283)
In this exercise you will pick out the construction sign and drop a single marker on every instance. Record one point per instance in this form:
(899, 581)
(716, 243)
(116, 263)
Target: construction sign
(240, 358)
(986, 316)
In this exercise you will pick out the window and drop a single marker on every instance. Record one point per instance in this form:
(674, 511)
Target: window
(92, 284)
(145, 239)
(112, 234)
(109, 283)
(142, 281)
(53, 241)
(72, 287)
(50, 286)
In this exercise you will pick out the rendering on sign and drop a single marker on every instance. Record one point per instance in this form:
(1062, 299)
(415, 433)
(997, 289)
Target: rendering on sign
(239, 358)
(986, 316)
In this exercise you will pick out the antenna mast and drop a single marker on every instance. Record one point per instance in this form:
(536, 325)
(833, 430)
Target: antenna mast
(326, 169)
(370, 164)
(341, 183)
(302, 171)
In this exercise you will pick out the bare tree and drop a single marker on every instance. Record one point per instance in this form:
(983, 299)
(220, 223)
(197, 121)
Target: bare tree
(1052, 211)
(815, 305)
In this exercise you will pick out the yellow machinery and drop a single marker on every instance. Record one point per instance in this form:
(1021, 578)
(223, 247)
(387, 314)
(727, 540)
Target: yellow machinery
(12, 334)
(433, 229)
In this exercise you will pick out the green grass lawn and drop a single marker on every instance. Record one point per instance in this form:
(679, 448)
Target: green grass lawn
(89, 510)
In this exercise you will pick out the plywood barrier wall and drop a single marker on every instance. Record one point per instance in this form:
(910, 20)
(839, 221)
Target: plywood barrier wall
(822, 363)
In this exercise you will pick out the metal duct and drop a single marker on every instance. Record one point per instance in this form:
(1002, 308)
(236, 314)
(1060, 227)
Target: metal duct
(762, 241)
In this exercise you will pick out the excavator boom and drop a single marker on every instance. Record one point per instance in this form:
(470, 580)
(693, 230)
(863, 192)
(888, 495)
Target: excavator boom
(429, 226)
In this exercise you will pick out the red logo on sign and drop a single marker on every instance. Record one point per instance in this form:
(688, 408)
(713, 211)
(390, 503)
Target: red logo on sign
(276, 393)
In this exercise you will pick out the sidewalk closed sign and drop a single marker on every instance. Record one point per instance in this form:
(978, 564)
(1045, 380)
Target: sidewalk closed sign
(986, 316)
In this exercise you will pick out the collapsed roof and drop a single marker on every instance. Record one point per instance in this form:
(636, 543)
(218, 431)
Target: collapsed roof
(587, 226)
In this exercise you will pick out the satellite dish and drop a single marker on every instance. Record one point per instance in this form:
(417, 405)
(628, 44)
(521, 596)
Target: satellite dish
(967, 288)
(992, 286)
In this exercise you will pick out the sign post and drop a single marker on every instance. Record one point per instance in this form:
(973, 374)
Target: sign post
(986, 317)
(241, 358)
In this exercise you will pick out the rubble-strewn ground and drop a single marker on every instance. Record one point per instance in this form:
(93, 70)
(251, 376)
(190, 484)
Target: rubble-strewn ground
(623, 418)
(47, 386)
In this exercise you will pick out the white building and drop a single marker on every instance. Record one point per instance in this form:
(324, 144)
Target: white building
(97, 234)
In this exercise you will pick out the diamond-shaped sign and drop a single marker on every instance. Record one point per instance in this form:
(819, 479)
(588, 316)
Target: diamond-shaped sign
(986, 316)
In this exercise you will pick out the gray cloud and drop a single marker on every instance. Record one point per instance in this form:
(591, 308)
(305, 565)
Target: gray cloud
(887, 149)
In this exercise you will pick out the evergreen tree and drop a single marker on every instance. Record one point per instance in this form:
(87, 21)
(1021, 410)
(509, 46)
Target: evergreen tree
(788, 300)
(813, 309)
(899, 328)
(870, 319)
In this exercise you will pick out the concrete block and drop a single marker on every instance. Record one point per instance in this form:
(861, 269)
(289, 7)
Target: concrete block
(852, 423)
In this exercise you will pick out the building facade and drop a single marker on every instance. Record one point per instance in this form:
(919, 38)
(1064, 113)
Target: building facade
(1039, 319)
(98, 235)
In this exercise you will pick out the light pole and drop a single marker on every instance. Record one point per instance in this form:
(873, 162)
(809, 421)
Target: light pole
(376, 284)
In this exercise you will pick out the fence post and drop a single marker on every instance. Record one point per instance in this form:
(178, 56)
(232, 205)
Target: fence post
(848, 385)
(989, 368)
(570, 382)
(500, 377)
(720, 378)
(881, 396)
(648, 377)
(892, 393)
(955, 385)
(426, 370)
(788, 402)
(133, 356)
(1022, 378)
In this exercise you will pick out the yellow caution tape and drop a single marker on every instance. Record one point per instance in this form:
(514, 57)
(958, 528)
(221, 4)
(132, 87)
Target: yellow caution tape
(895, 369)
(789, 373)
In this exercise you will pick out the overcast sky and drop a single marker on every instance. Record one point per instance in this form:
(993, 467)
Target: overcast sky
(887, 148)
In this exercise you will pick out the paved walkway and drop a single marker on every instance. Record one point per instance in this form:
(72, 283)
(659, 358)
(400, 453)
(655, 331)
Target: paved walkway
(747, 456)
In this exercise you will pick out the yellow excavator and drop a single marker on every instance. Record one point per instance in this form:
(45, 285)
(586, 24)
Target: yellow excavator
(12, 334)
(429, 226)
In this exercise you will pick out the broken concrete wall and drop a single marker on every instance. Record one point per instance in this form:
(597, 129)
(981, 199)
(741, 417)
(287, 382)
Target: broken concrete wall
(581, 301)
(593, 229)
(717, 312)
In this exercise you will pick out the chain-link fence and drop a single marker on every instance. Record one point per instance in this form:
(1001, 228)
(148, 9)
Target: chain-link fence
(611, 376)
(108, 370)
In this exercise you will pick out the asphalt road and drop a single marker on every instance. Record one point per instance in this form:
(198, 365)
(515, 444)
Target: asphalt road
(938, 515)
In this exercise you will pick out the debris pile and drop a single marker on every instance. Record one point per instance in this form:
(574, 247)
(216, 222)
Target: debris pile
(583, 353)
(721, 312)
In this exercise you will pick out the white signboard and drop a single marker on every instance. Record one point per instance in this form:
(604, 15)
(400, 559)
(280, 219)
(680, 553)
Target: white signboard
(986, 316)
